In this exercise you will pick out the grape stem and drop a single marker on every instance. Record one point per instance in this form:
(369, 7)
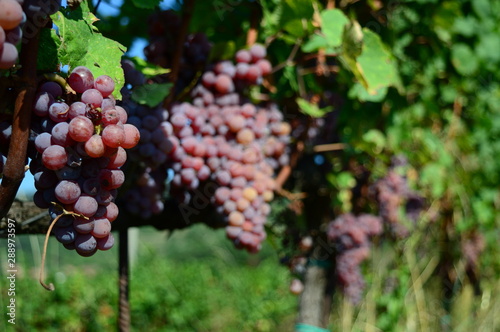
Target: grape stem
(16, 159)
(254, 25)
(291, 196)
(50, 287)
(61, 81)
(289, 61)
(329, 147)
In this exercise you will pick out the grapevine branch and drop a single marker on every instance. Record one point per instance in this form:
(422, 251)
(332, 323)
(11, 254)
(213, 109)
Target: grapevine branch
(16, 159)
(187, 13)
(254, 26)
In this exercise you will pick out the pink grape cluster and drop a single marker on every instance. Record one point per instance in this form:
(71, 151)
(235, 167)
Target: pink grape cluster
(238, 146)
(11, 18)
(80, 149)
(350, 236)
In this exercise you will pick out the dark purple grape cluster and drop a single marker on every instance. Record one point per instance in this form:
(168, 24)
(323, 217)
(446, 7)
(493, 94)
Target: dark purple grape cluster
(163, 32)
(149, 157)
(79, 150)
(350, 236)
(392, 193)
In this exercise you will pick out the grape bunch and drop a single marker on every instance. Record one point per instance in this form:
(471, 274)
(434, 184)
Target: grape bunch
(221, 139)
(79, 149)
(148, 159)
(11, 18)
(392, 193)
(350, 236)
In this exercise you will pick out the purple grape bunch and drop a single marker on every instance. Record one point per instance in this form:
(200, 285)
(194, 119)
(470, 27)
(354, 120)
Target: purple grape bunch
(78, 150)
(350, 236)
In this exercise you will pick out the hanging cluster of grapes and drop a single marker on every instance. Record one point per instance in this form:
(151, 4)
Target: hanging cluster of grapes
(350, 236)
(79, 147)
(222, 138)
(392, 193)
(145, 196)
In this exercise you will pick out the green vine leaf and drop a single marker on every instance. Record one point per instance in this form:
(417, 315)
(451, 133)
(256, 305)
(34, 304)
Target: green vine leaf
(312, 109)
(78, 43)
(333, 22)
(375, 68)
(151, 94)
(147, 68)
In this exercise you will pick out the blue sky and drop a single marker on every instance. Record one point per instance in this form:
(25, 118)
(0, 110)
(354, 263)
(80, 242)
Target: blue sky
(110, 7)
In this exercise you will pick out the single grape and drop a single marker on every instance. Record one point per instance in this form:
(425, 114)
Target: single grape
(65, 235)
(243, 56)
(58, 112)
(113, 136)
(43, 101)
(83, 226)
(101, 229)
(60, 135)
(8, 56)
(43, 141)
(76, 109)
(85, 244)
(224, 84)
(105, 85)
(105, 243)
(110, 117)
(112, 211)
(86, 205)
(11, 14)
(116, 160)
(54, 157)
(81, 79)
(53, 88)
(92, 97)
(257, 52)
(111, 179)
(81, 128)
(67, 192)
(94, 147)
